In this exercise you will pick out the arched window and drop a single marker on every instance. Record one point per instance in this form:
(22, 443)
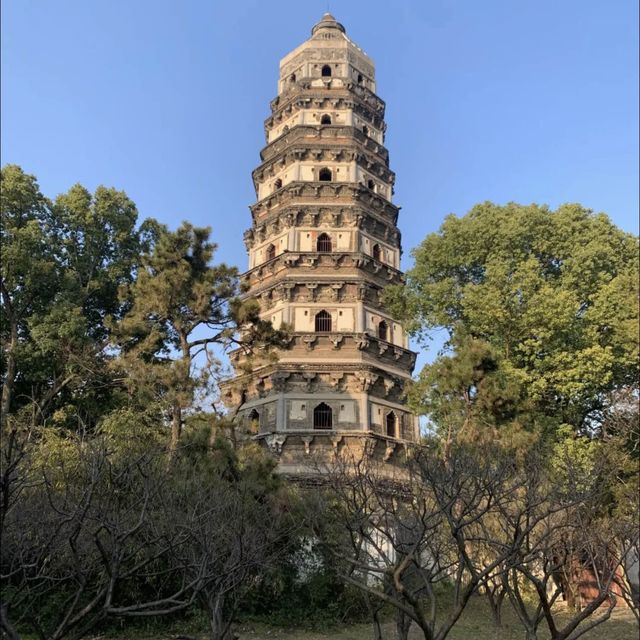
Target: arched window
(292, 77)
(254, 420)
(271, 252)
(325, 175)
(365, 130)
(277, 184)
(359, 78)
(323, 321)
(383, 330)
(323, 245)
(326, 71)
(372, 185)
(391, 424)
(322, 417)
(376, 252)
(326, 119)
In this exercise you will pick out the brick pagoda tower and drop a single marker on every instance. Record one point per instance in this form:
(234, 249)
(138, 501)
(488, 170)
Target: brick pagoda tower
(322, 246)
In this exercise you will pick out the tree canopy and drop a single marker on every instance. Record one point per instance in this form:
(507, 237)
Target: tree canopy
(552, 294)
(62, 266)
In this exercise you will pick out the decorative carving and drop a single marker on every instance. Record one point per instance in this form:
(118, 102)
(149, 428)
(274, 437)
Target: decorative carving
(388, 452)
(279, 380)
(312, 288)
(309, 341)
(335, 441)
(337, 380)
(248, 239)
(309, 378)
(307, 440)
(287, 289)
(365, 381)
(362, 342)
(275, 442)
(336, 340)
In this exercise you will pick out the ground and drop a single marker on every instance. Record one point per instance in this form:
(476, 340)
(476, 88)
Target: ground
(475, 624)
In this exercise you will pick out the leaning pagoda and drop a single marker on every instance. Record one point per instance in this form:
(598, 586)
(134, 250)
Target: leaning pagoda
(322, 246)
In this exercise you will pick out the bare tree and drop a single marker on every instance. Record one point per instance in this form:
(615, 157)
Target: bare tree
(235, 522)
(435, 531)
(78, 532)
(568, 555)
(408, 537)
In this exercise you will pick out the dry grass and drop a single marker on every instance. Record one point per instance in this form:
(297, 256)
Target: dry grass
(475, 624)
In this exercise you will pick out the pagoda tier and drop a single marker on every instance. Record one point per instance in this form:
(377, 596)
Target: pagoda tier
(322, 247)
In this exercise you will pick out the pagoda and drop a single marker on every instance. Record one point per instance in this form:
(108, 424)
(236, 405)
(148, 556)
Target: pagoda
(323, 245)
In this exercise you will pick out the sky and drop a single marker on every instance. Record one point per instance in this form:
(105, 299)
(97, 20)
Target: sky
(527, 101)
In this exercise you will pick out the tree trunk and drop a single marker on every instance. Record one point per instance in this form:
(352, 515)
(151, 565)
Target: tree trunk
(496, 598)
(176, 429)
(7, 386)
(403, 622)
(6, 626)
(377, 626)
(220, 628)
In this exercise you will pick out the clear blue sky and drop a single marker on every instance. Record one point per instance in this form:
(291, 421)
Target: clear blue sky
(530, 101)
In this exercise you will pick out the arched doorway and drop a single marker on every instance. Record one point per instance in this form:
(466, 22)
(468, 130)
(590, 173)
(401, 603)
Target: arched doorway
(383, 330)
(323, 321)
(323, 245)
(391, 425)
(322, 417)
(271, 252)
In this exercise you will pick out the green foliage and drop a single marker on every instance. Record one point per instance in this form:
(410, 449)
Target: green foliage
(304, 591)
(62, 266)
(182, 312)
(553, 294)
(469, 396)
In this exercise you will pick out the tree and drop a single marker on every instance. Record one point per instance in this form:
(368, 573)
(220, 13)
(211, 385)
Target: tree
(182, 311)
(410, 539)
(553, 294)
(575, 550)
(235, 517)
(27, 270)
(80, 536)
(426, 539)
(63, 265)
(469, 397)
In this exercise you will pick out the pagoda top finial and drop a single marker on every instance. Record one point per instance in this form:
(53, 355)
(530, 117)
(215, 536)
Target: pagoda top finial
(327, 22)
